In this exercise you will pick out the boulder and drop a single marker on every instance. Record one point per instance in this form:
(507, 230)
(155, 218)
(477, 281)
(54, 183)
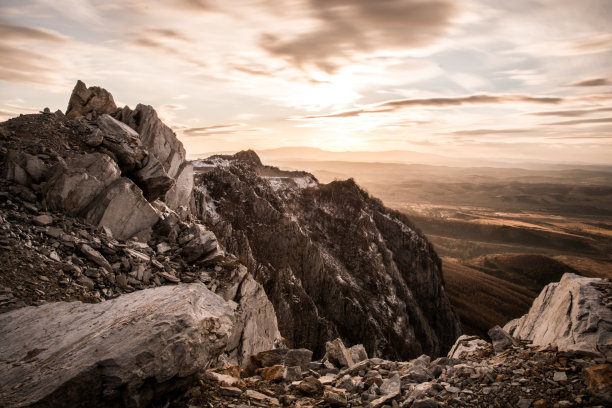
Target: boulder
(180, 193)
(94, 100)
(158, 138)
(122, 352)
(467, 345)
(501, 339)
(122, 208)
(338, 354)
(123, 143)
(75, 183)
(23, 168)
(197, 242)
(153, 180)
(572, 314)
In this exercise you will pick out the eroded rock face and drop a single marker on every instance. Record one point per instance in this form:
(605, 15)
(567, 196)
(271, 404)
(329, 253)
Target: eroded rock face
(122, 352)
(573, 314)
(334, 262)
(93, 101)
(123, 143)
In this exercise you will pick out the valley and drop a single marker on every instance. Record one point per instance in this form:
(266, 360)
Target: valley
(502, 232)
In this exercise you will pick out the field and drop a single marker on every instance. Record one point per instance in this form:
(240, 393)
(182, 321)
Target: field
(503, 232)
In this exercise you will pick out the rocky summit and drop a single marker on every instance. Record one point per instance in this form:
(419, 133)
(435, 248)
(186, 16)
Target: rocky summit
(131, 277)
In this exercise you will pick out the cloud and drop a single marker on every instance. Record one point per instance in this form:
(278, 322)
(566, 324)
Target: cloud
(581, 122)
(593, 82)
(347, 28)
(172, 50)
(172, 106)
(15, 33)
(216, 130)
(481, 132)
(571, 113)
(480, 99)
(29, 67)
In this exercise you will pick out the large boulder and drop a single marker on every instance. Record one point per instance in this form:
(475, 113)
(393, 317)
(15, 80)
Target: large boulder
(92, 101)
(153, 179)
(573, 314)
(123, 143)
(75, 183)
(23, 168)
(158, 138)
(122, 352)
(122, 208)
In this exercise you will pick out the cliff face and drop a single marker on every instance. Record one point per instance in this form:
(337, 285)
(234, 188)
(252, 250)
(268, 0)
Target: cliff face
(333, 261)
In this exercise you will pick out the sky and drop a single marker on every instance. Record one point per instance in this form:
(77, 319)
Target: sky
(518, 80)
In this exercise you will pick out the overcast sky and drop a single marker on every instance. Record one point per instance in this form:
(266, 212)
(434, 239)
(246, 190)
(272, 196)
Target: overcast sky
(479, 78)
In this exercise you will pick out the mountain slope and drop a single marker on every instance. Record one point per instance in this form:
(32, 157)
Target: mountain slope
(332, 260)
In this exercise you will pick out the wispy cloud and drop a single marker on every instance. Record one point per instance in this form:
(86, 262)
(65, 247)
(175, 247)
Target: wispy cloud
(593, 82)
(581, 122)
(571, 113)
(216, 130)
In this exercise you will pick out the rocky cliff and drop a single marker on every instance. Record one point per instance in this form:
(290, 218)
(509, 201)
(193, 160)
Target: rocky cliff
(333, 261)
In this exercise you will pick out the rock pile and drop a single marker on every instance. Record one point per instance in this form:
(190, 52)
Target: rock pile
(521, 375)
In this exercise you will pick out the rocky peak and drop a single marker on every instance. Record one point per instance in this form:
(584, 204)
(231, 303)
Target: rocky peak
(90, 102)
(249, 156)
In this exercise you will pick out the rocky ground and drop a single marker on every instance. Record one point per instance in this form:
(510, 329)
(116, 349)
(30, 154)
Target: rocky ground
(520, 376)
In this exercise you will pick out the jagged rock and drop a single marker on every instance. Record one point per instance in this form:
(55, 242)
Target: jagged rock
(122, 352)
(467, 344)
(310, 386)
(335, 397)
(124, 144)
(94, 139)
(358, 353)
(389, 389)
(500, 339)
(197, 242)
(96, 257)
(274, 373)
(338, 354)
(75, 184)
(94, 100)
(153, 180)
(23, 168)
(179, 194)
(158, 138)
(43, 219)
(122, 208)
(571, 314)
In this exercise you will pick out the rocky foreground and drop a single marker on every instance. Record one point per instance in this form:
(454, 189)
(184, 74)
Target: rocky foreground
(131, 277)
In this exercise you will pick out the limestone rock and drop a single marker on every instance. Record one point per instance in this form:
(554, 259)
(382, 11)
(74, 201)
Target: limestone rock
(94, 100)
(73, 185)
(158, 138)
(123, 142)
(571, 314)
(122, 352)
(122, 208)
(180, 193)
(153, 180)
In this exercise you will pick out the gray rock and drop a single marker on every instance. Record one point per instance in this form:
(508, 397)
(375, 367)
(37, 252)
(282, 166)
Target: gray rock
(153, 180)
(500, 339)
(123, 142)
(93, 100)
(180, 193)
(570, 314)
(338, 354)
(389, 390)
(43, 219)
(109, 353)
(425, 403)
(94, 139)
(158, 138)
(467, 344)
(75, 184)
(122, 208)
(358, 353)
(197, 242)
(335, 397)
(24, 168)
(96, 257)
(293, 373)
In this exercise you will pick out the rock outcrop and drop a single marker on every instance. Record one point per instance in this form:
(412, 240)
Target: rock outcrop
(123, 352)
(333, 261)
(573, 314)
(90, 102)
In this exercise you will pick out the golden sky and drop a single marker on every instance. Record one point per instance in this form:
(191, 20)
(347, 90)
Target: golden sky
(521, 80)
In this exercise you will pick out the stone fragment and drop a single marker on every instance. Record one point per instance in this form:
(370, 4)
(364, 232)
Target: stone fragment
(358, 353)
(598, 379)
(338, 354)
(274, 373)
(500, 339)
(122, 208)
(293, 373)
(96, 257)
(93, 100)
(466, 345)
(223, 379)
(169, 277)
(389, 389)
(258, 396)
(124, 143)
(24, 168)
(108, 353)
(197, 242)
(230, 391)
(153, 180)
(310, 386)
(524, 403)
(336, 397)
(94, 139)
(559, 376)
(43, 220)
(425, 403)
